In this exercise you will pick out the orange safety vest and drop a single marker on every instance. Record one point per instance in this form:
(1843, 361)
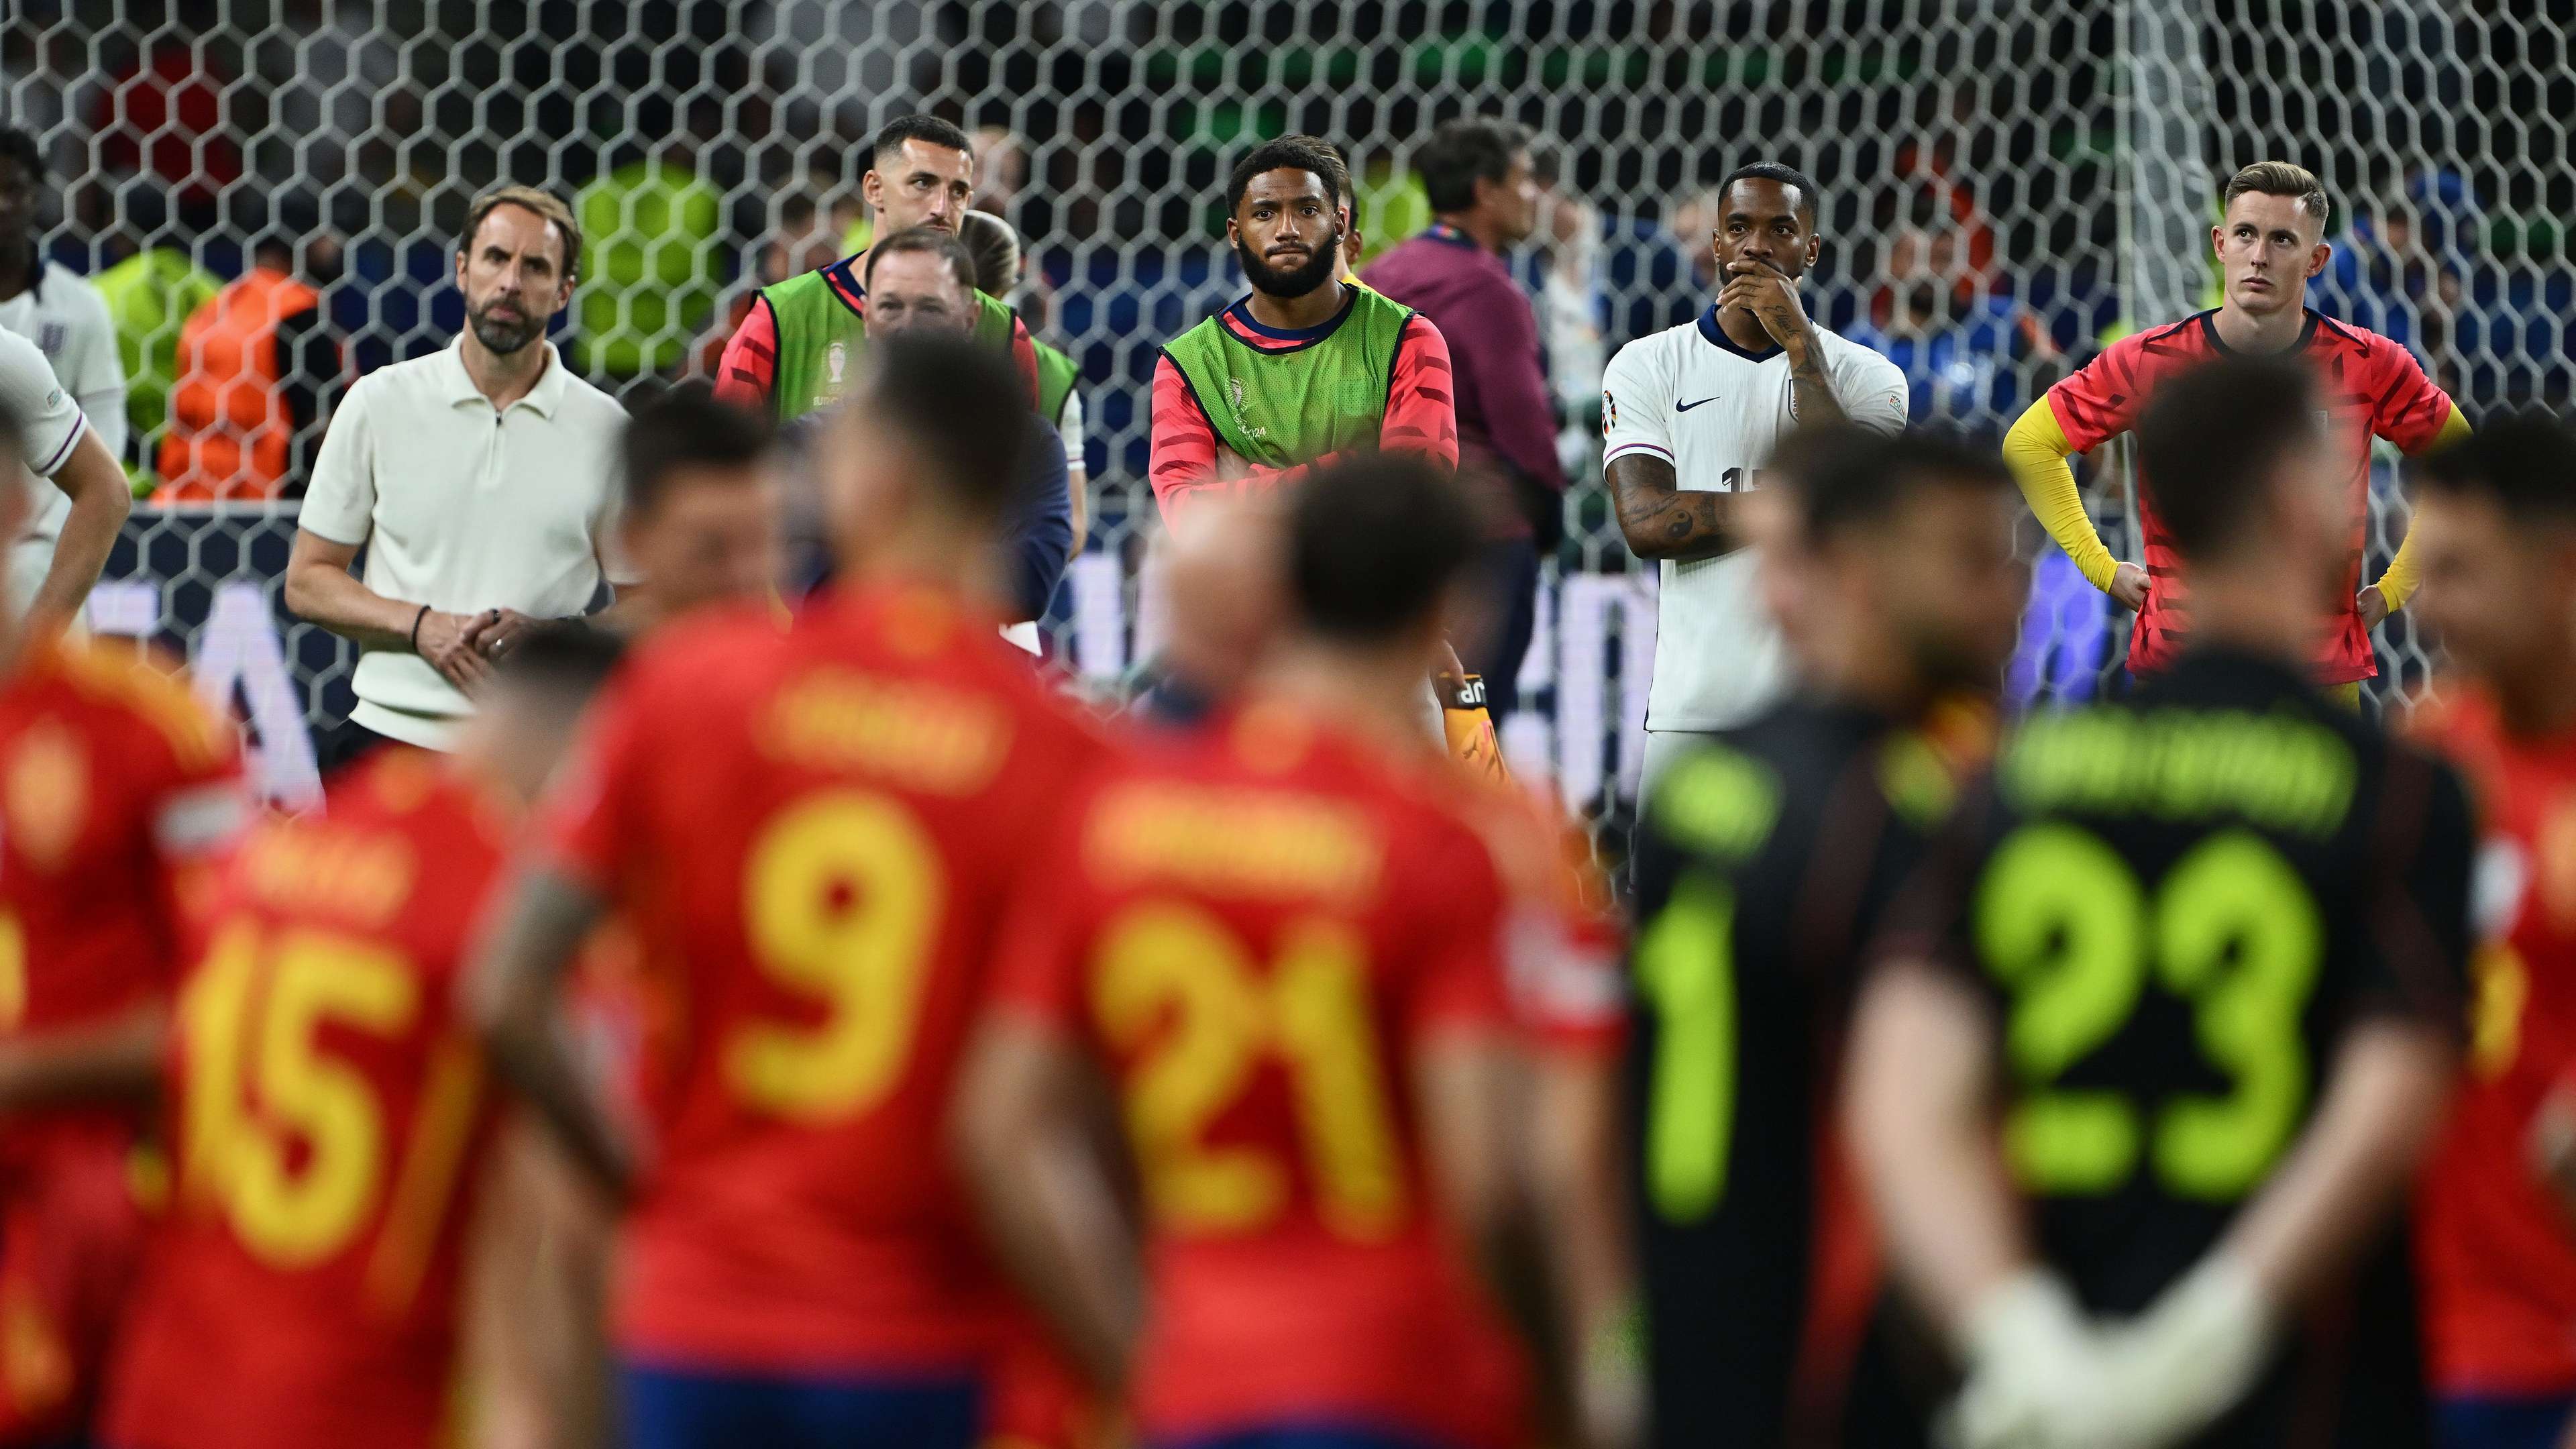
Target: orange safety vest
(230, 431)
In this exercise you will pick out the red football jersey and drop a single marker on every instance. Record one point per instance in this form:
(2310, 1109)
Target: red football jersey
(2497, 1256)
(116, 788)
(330, 1115)
(813, 831)
(2371, 387)
(1255, 931)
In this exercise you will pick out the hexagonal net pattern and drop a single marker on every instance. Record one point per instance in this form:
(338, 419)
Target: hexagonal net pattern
(2005, 188)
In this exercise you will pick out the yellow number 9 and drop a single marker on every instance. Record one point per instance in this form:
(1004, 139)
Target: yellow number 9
(841, 899)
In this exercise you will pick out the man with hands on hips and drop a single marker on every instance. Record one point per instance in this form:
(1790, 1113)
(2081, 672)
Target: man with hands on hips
(480, 480)
(1688, 418)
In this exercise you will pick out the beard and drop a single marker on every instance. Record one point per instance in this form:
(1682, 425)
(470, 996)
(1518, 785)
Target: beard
(1289, 285)
(500, 335)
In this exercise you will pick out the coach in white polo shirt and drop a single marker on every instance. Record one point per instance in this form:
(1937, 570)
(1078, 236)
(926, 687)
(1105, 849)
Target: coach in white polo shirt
(481, 481)
(1688, 416)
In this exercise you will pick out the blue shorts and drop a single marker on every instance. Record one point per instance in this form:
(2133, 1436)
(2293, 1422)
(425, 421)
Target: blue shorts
(668, 1408)
(2502, 1423)
(1304, 1436)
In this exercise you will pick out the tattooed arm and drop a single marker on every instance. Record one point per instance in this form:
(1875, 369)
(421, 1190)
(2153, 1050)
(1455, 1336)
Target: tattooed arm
(1662, 520)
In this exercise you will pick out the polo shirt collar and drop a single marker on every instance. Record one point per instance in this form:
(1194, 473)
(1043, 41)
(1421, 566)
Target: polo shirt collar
(544, 398)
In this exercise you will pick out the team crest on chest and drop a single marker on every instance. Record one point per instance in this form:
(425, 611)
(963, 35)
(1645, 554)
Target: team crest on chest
(46, 794)
(51, 336)
(836, 360)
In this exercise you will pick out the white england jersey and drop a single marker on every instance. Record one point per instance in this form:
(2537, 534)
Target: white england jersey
(68, 321)
(1714, 410)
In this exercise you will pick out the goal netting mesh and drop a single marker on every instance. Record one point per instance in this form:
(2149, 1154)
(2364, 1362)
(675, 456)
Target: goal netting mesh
(2008, 186)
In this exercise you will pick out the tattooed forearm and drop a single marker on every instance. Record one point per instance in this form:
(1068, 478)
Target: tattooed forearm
(1811, 393)
(1661, 520)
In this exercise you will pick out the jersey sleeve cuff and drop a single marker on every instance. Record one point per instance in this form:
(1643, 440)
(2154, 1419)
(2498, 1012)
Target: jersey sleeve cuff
(1622, 450)
(71, 440)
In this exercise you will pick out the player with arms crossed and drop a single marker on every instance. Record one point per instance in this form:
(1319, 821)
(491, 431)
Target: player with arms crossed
(1283, 943)
(2270, 243)
(1690, 414)
(2161, 1035)
(814, 831)
(333, 1123)
(2495, 1245)
(1763, 865)
(798, 349)
(1305, 367)
(116, 787)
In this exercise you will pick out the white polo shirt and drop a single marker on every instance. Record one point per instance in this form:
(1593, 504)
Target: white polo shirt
(464, 509)
(1715, 411)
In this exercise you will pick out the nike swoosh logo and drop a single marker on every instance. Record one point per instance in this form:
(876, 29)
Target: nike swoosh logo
(1682, 407)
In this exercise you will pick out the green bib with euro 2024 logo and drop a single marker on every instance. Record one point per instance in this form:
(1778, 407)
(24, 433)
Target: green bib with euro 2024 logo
(1279, 409)
(820, 338)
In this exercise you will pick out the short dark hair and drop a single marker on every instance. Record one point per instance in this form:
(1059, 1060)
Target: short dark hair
(686, 427)
(1372, 544)
(930, 241)
(937, 132)
(1462, 153)
(964, 407)
(1845, 477)
(2281, 178)
(1810, 200)
(1345, 190)
(18, 144)
(566, 658)
(995, 248)
(2209, 432)
(2525, 462)
(1289, 153)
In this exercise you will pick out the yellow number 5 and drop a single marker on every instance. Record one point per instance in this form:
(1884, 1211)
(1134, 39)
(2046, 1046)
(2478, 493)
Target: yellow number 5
(841, 901)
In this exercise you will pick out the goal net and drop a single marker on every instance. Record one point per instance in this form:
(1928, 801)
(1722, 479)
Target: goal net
(2006, 186)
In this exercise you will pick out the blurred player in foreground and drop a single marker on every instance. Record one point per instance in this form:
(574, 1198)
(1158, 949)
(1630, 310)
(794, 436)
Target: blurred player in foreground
(815, 831)
(2270, 242)
(2198, 957)
(701, 516)
(1284, 945)
(332, 1119)
(116, 788)
(2495, 530)
(1764, 864)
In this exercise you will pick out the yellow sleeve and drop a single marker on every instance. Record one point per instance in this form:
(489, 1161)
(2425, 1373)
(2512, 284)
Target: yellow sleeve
(2036, 450)
(2397, 584)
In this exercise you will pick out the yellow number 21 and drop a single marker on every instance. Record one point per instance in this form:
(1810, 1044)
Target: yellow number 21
(1175, 977)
